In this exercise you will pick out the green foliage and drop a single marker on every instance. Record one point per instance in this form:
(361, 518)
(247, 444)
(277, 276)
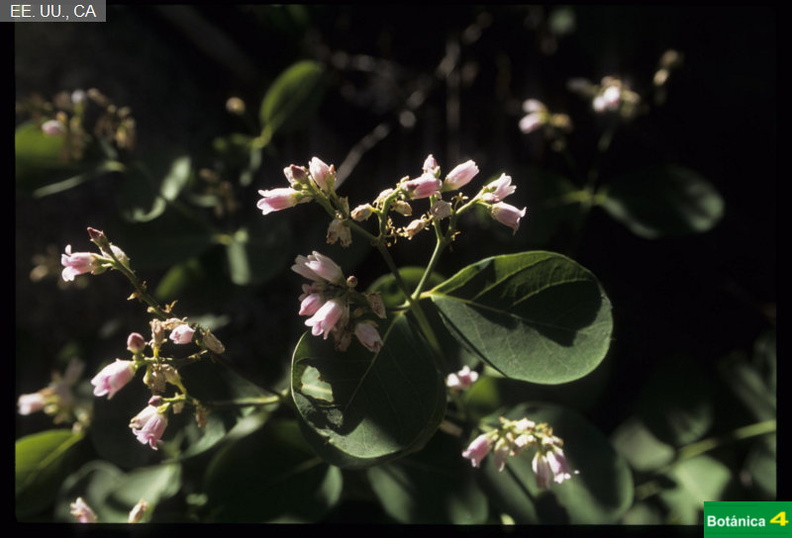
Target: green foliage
(361, 408)
(533, 316)
(293, 97)
(42, 461)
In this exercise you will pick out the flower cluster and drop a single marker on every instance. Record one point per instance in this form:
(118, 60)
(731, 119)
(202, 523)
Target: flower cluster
(537, 116)
(512, 438)
(611, 95)
(334, 306)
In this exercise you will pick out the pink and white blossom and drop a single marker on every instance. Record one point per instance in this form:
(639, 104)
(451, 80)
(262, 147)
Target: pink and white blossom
(498, 190)
(478, 449)
(369, 336)
(310, 301)
(462, 379)
(278, 199)
(82, 512)
(322, 174)
(149, 425)
(136, 343)
(182, 334)
(550, 465)
(507, 214)
(430, 166)
(78, 263)
(31, 403)
(461, 175)
(326, 318)
(318, 267)
(423, 187)
(113, 377)
(296, 175)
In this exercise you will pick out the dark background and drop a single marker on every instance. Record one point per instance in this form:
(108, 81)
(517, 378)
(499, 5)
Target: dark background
(694, 298)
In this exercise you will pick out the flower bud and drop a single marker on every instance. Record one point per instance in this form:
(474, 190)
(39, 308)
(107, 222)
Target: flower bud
(322, 174)
(362, 212)
(182, 334)
(297, 175)
(280, 198)
(82, 512)
(136, 343)
(368, 335)
(113, 377)
(461, 175)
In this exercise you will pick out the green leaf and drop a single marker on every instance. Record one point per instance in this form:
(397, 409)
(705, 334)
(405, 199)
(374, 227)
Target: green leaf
(433, 486)
(258, 253)
(270, 475)
(599, 494)
(664, 201)
(699, 479)
(360, 408)
(144, 197)
(533, 316)
(293, 97)
(42, 462)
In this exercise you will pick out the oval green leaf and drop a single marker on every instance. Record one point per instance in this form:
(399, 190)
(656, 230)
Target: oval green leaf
(360, 408)
(293, 97)
(270, 475)
(533, 316)
(664, 201)
(42, 462)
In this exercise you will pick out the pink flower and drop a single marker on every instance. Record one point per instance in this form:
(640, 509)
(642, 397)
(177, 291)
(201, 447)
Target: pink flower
(149, 425)
(322, 174)
(423, 187)
(430, 165)
(498, 190)
(328, 315)
(113, 377)
(182, 334)
(462, 379)
(478, 449)
(502, 452)
(369, 336)
(136, 343)
(507, 214)
(277, 199)
(551, 465)
(31, 403)
(461, 175)
(310, 301)
(318, 267)
(296, 175)
(78, 263)
(53, 128)
(80, 510)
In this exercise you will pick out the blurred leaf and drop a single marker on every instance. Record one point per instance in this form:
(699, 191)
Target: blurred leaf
(392, 294)
(533, 316)
(293, 97)
(748, 384)
(642, 450)
(433, 486)
(664, 201)
(39, 159)
(112, 493)
(697, 480)
(258, 253)
(270, 475)
(599, 494)
(144, 197)
(380, 405)
(42, 461)
(179, 278)
(761, 468)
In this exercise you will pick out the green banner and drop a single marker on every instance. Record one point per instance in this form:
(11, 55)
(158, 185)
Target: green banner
(748, 519)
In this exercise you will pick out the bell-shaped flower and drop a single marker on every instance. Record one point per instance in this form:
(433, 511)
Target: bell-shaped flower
(280, 198)
(478, 449)
(322, 174)
(507, 214)
(328, 315)
(423, 187)
(113, 377)
(31, 403)
(310, 301)
(78, 263)
(318, 267)
(368, 335)
(460, 176)
(149, 425)
(550, 465)
(182, 334)
(497, 190)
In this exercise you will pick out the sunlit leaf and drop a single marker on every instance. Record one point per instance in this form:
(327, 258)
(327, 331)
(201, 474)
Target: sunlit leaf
(292, 98)
(270, 475)
(39, 159)
(144, 195)
(533, 316)
(664, 200)
(42, 460)
(360, 408)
